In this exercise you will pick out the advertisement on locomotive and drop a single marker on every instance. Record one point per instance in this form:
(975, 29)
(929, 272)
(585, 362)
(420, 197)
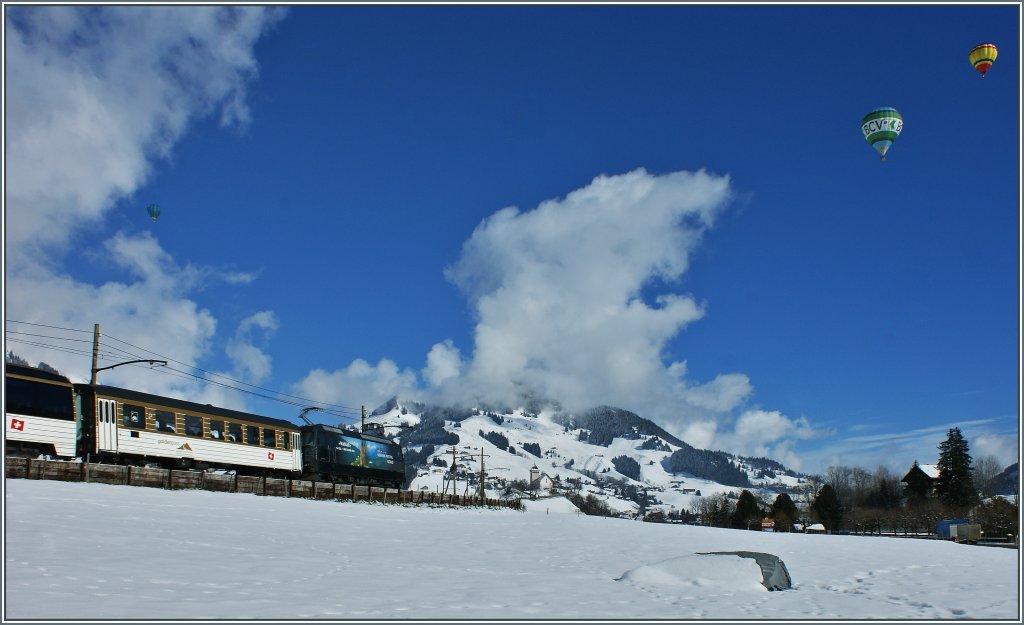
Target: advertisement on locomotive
(378, 455)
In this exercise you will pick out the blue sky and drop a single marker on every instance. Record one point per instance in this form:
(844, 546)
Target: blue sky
(700, 233)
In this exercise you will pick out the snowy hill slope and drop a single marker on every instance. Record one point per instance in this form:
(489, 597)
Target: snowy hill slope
(582, 453)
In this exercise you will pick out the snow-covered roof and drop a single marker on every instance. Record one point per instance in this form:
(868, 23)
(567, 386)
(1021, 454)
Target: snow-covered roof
(931, 470)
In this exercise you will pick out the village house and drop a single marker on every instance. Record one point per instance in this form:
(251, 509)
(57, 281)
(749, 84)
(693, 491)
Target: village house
(921, 479)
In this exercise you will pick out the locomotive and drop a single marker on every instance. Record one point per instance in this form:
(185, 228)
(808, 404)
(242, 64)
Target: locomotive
(46, 413)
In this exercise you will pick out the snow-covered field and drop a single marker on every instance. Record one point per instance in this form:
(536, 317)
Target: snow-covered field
(92, 551)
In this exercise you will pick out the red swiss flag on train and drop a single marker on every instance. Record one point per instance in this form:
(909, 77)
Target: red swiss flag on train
(18, 424)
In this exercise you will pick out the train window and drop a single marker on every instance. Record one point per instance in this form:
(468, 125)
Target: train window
(269, 437)
(164, 421)
(134, 416)
(193, 425)
(285, 437)
(235, 432)
(38, 399)
(252, 435)
(216, 429)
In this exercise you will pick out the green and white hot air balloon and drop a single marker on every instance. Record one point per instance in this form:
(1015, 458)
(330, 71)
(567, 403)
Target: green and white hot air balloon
(881, 127)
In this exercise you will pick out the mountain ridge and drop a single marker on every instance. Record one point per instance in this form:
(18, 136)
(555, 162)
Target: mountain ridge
(616, 455)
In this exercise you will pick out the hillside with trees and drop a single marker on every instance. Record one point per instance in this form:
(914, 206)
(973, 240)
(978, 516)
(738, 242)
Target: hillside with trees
(710, 465)
(601, 425)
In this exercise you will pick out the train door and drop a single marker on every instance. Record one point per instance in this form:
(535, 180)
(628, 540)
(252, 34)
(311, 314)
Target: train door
(106, 425)
(297, 451)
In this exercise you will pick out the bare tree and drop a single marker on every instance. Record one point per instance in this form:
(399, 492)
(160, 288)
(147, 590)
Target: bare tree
(863, 484)
(986, 469)
(840, 478)
(804, 496)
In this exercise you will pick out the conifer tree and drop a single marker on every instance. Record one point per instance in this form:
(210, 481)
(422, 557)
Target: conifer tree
(747, 512)
(784, 512)
(826, 505)
(955, 484)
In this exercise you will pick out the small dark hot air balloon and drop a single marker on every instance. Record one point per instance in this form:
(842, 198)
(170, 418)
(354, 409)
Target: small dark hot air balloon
(153, 210)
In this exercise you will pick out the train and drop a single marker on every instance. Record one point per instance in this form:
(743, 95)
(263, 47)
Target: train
(47, 414)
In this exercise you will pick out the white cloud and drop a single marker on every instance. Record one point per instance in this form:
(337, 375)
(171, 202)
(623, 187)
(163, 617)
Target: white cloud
(559, 292)
(93, 95)
(239, 277)
(574, 302)
(699, 434)
(724, 393)
(768, 433)
(251, 363)
(153, 312)
(1004, 447)
(444, 362)
(358, 382)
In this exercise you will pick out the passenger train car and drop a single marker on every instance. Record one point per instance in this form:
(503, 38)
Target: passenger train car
(39, 410)
(46, 413)
(121, 423)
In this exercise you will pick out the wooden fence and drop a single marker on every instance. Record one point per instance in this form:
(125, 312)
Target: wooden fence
(33, 469)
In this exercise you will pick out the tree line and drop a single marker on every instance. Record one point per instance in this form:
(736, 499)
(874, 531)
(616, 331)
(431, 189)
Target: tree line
(850, 499)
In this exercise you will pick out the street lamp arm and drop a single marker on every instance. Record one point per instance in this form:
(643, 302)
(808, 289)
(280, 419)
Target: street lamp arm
(162, 363)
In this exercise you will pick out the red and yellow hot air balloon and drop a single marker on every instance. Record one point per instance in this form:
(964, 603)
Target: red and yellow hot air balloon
(983, 56)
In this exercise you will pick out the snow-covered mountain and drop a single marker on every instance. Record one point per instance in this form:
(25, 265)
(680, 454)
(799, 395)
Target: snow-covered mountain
(610, 453)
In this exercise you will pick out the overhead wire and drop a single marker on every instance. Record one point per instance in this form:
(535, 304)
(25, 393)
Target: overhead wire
(219, 375)
(113, 353)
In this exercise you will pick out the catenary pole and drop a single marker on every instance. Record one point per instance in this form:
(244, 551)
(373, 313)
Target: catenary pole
(95, 351)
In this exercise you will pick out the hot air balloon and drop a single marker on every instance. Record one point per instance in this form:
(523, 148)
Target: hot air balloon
(982, 57)
(153, 210)
(881, 127)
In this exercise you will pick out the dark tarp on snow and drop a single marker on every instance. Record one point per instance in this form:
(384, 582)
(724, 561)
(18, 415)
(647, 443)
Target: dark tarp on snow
(774, 575)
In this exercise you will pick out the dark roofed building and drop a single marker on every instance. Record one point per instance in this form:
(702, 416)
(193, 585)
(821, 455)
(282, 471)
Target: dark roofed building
(920, 480)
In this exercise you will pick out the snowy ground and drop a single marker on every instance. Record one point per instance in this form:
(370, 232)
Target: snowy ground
(92, 551)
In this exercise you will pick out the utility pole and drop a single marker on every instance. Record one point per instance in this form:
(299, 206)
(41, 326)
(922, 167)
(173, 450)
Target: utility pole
(482, 474)
(95, 351)
(451, 478)
(362, 441)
